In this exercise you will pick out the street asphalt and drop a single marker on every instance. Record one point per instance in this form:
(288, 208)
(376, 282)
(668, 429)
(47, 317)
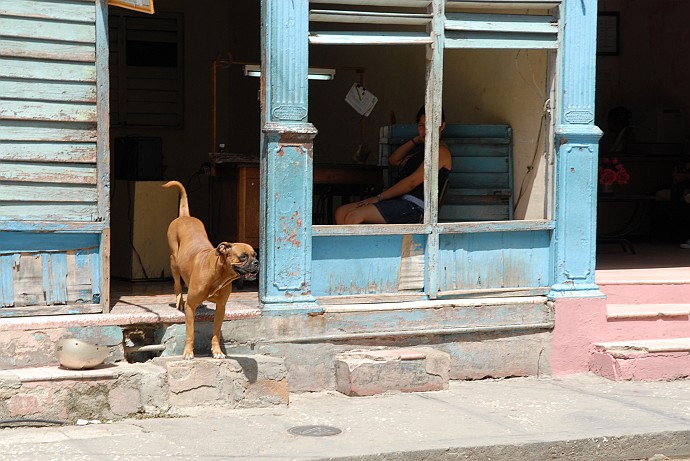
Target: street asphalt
(584, 418)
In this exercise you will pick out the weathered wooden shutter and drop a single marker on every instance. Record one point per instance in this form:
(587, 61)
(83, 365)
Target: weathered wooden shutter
(53, 208)
(467, 23)
(472, 24)
(146, 62)
(382, 22)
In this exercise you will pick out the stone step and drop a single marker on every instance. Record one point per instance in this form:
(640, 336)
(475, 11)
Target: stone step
(30, 341)
(646, 292)
(642, 360)
(643, 311)
(378, 371)
(486, 338)
(155, 388)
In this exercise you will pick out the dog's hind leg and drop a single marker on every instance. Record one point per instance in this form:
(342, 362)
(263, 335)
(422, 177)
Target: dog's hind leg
(179, 302)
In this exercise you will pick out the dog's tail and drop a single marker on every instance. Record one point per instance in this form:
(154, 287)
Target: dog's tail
(184, 204)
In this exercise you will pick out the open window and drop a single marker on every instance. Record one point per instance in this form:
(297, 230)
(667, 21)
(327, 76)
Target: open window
(494, 77)
(491, 66)
(147, 68)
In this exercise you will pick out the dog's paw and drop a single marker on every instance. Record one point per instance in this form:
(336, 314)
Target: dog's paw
(218, 355)
(187, 355)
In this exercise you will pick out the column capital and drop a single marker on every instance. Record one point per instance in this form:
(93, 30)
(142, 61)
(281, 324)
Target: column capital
(288, 130)
(579, 133)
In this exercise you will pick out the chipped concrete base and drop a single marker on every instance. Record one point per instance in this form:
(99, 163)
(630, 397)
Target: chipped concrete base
(105, 392)
(238, 381)
(638, 365)
(360, 372)
(472, 331)
(36, 348)
(157, 388)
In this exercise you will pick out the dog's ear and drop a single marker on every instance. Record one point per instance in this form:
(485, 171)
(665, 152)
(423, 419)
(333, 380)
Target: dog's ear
(223, 248)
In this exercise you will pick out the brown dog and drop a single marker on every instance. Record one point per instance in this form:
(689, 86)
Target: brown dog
(208, 272)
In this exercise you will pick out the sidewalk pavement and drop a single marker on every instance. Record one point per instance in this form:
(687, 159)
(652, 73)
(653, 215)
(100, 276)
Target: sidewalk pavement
(584, 418)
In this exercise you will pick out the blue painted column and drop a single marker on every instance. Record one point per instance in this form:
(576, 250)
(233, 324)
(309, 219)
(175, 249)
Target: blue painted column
(576, 144)
(286, 160)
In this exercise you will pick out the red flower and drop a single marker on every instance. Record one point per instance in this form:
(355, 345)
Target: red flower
(607, 176)
(611, 171)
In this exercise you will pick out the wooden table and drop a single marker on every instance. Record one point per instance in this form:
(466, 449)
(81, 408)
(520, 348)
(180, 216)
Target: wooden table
(344, 181)
(235, 187)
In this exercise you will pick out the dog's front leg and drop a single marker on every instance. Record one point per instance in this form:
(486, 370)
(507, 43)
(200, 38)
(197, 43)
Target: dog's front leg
(189, 312)
(218, 318)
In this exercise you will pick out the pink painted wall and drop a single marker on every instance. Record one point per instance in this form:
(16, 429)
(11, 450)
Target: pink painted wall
(581, 322)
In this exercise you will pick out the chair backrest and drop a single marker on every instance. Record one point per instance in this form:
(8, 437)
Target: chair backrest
(480, 186)
(442, 194)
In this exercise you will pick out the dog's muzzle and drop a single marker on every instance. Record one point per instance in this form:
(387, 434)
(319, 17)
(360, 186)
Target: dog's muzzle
(249, 270)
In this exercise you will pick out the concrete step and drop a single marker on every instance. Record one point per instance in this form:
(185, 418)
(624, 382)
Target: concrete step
(644, 322)
(379, 371)
(642, 360)
(646, 311)
(488, 337)
(155, 388)
(646, 292)
(30, 341)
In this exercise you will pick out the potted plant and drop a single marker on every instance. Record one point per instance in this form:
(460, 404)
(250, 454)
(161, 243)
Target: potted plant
(611, 172)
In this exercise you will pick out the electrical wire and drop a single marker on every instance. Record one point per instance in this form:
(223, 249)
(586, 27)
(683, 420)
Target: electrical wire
(536, 87)
(10, 422)
(531, 167)
(202, 171)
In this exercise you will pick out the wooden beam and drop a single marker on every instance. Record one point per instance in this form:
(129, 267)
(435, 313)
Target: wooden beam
(515, 23)
(371, 229)
(455, 40)
(57, 11)
(368, 38)
(64, 227)
(389, 3)
(365, 17)
(502, 4)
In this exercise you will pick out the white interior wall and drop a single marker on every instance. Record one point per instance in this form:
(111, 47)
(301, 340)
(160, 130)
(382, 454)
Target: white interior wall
(501, 86)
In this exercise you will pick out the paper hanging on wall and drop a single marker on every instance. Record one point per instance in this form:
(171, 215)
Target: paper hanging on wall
(143, 6)
(361, 100)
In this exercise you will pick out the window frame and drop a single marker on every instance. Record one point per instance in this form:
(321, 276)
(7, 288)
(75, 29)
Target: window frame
(123, 25)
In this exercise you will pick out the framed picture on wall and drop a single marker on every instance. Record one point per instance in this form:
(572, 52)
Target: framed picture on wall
(607, 34)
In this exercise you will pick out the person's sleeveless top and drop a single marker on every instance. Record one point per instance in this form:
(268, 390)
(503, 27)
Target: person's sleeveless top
(413, 162)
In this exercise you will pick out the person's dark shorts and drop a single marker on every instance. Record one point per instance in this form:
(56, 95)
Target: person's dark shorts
(400, 211)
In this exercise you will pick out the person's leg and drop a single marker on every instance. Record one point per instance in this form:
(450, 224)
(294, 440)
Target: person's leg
(342, 211)
(368, 214)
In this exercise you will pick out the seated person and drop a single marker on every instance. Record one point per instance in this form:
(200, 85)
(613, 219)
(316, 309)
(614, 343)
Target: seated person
(620, 133)
(680, 186)
(403, 202)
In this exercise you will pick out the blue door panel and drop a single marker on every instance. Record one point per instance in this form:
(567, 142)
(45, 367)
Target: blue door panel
(494, 260)
(42, 269)
(348, 265)
(32, 242)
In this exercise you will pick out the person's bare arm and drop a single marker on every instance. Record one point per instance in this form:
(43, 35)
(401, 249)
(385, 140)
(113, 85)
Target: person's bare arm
(403, 151)
(405, 185)
(408, 183)
(401, 187)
